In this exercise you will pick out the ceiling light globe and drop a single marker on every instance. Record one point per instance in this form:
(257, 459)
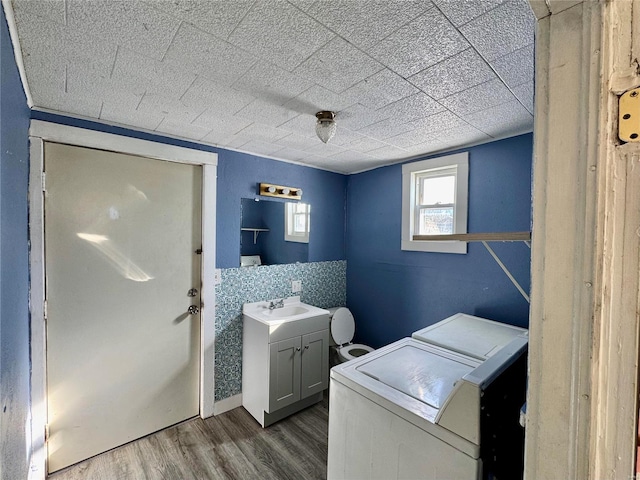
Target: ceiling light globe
(325, 126)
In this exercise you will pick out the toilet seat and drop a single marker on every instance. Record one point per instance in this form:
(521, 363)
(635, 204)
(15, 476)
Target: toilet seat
(353, 350)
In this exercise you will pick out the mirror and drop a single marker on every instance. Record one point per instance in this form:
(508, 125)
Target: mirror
(262, 236)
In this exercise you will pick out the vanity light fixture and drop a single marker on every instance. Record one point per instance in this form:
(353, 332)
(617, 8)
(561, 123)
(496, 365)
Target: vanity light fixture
(271, 190)
(326, 125)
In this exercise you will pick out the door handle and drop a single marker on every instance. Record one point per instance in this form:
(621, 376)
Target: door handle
(193, 310)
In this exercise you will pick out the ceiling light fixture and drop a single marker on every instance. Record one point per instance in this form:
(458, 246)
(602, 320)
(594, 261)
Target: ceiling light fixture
(326, 125)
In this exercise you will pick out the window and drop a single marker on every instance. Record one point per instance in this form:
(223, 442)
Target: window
(296, 222)
(434, 202)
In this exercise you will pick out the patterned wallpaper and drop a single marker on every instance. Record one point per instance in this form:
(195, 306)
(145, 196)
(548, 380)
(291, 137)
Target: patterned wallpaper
(324, 284)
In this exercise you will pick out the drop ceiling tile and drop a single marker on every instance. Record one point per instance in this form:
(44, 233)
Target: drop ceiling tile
(266, 112)
(516, 68)
(119, 112)
(465, 135)
(385, 129)
(412, 108)
(53, 10)
(350, 156)
(291, 154)
(501, 119)
(259, 147)
(453, 74)
(226, 141)
(324, 149)
(67, 104)
(224, 125)
(502, 30)
(218, 17)
(172, 108)
(80, 83)
(434, 123)
(45, 43)
(366, 23)
(181, 129)
(389, 152)
(357, 116)
(272, 83)
(303, 5)
(355, 141)
(425, 148)
(421, 43)
(411, 139)
(338, 65)
(262, 132)
(380, 89)
(216, 98)
(460, 12)
(304, 125)
(279, 33)
(317, 98)
(129, 23)
(480, 97)
(141, 74)
(298, 142)
(525, 94)
(193, 50)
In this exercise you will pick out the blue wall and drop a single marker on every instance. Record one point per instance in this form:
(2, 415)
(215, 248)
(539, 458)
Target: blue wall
(14, 277)
(393, 292)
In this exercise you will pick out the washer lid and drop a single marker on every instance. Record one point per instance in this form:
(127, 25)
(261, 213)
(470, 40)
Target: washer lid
(469, 335)
(342, 326)
(423, 375)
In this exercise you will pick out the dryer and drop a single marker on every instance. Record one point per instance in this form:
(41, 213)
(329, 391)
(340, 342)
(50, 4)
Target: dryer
(436, 406)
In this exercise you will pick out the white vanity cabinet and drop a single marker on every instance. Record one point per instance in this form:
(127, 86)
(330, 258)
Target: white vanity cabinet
(285, 365)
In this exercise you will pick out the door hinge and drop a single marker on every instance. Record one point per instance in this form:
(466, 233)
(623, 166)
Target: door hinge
(46, 310)
(44, 182)
(46, 432)
(629, 116)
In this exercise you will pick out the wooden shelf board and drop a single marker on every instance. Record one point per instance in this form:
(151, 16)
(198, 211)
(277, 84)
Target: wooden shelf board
(477, 237)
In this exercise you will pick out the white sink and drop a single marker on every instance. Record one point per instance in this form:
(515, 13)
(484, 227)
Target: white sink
(292, 309)
(284, 312)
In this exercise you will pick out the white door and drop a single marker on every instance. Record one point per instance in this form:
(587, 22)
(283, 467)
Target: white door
(121, 234)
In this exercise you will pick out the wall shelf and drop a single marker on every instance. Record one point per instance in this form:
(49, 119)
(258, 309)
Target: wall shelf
(484, 238)
(255, 231)
(478, 237)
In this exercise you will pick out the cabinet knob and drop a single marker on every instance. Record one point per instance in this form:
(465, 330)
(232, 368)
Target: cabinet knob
(297, 349)
(306, 347)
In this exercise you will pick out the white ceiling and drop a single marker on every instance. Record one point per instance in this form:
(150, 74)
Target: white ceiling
(405, 77)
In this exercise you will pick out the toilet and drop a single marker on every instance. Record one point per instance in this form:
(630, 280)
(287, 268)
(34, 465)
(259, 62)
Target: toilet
(342, 329)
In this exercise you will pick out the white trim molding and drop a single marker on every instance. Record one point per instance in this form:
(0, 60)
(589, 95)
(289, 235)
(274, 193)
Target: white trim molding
(227, 404)
(40, 132)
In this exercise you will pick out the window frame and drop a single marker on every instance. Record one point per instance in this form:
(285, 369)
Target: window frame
(410, 173)
(289, 219)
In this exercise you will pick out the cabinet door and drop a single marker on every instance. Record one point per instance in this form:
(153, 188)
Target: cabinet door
(284, 373)
(315, 363)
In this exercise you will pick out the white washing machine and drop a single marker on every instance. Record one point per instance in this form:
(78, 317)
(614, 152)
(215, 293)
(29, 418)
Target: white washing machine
(436, 406)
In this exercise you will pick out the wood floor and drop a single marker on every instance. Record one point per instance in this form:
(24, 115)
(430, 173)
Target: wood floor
(228, 446)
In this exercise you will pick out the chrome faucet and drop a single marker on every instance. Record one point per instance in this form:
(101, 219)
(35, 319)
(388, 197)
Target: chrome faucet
(276, 304)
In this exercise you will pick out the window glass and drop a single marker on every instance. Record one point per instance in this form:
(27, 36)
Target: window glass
(436, 190)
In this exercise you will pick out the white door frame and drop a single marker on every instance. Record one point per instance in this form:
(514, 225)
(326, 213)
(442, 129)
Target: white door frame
(584, 322)
(41, 131)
